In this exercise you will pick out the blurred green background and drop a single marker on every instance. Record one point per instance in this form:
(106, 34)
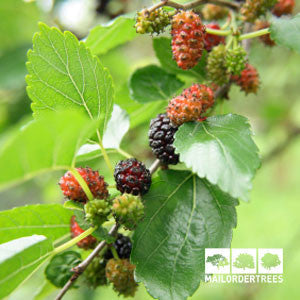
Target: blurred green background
(270, 220)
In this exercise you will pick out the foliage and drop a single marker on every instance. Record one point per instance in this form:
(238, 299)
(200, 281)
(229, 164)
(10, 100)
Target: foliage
(76, 121)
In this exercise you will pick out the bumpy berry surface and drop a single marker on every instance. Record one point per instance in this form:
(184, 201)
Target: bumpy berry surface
(266, 38)
(94, 275)
(248, 80)
(122, 245)
(214, 12)
(128, 210)
(212, 40)
(132, 177)
(88, 242)
(190, 104)
(152, 22)
(161, 138)
(236, 60)
(97, 211)
(187, 39)
(72, 189)
(120, 273)
(283, 7)
(216, 65)
(252, 9)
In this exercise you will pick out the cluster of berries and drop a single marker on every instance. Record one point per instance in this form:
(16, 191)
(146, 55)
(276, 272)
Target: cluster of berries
(133, 180)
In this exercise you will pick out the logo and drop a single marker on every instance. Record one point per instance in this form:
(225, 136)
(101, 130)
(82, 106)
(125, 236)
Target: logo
(243, 265)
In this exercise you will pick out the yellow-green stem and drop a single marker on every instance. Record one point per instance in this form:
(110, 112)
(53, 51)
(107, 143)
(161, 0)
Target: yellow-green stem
(124, 153)
(82, 183)
(114, 252)
(74, 241)
(105, 156)
(254, 34)
(218, 32)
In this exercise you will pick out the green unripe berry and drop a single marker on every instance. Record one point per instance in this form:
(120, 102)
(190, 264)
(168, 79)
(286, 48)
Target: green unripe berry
(97, 211)
(216, 66)
(128, 210)
(94, 275)
(236, 60)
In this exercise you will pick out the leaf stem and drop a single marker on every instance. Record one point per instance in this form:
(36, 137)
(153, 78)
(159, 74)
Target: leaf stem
(254, 34)
(114, 252)
(124, 153)
(74, 241)
(82, 183)
(105, 156)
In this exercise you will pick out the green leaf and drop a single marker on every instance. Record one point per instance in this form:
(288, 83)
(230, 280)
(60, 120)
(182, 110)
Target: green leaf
(44, 145)
(58, 271)
(44, 291)
(152, 83)
(70, 204)
(13, 70)
(117, 127)
(19, 259)
(163, 51)
(220, 149)
(286, 32)
(64, 75)
(103, 38)
(50, 220)
(183, 215)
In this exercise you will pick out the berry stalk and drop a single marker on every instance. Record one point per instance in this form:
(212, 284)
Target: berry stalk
(105, 156)
(82, 183)
(74, 241)
(218, 32)
(254, 34)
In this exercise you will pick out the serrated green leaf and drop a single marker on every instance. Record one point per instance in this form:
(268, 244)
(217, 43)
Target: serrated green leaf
(152, 83)
(220, 149)
(163, 51)
(44, 145)
(50, 220)
(58, 271)
(63, 74)
(286, 32)
(19, 258)
(183, 215)
(103, 38)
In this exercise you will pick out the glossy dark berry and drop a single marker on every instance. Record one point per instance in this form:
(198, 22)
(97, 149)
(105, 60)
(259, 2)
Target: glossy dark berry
(132, 177)
(161, 138)
(72, 189)
(122, 245)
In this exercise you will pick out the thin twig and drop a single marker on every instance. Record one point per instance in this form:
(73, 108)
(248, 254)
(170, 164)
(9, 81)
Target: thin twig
(193, 4)
(154, 166)
(78, 270)
(281, 147)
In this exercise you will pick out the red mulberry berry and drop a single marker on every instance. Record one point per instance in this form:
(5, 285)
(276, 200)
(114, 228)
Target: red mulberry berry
(283, 7)
(266, 39)
(188, 39)
(212, 40)
(161, 138)
(88, 242)
(132, 177)
(248, 80)
(72, 189)
(190, 104)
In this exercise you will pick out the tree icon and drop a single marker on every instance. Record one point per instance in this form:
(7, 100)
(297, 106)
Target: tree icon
(270, 260)
(244, 261)
(217, 260)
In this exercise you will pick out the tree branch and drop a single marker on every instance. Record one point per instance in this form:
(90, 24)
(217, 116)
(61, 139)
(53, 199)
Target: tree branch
(78, 270)
(193, 4)
(282, 147)
(154, 166)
